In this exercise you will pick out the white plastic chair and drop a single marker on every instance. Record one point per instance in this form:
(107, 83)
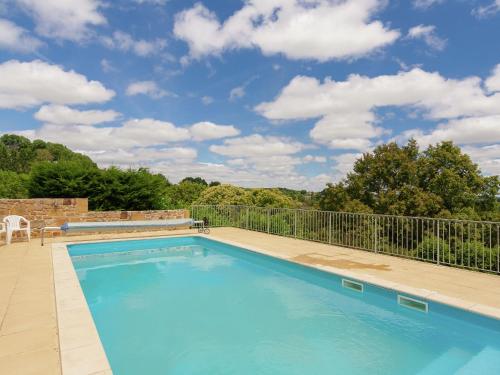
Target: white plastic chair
(2, 229)
(13, 224)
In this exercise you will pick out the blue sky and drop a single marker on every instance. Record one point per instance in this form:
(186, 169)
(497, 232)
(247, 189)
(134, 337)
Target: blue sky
(257, 92)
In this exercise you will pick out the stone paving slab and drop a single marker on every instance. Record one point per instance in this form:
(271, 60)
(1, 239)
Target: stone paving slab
(29, 330)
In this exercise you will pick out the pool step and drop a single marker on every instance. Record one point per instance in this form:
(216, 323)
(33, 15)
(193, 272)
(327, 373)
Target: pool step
(486, 362)
(447, 363)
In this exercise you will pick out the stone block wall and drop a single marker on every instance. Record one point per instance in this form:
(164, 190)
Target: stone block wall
(54, 212)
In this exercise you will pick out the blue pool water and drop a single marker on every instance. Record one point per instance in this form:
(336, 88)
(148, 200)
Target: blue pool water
(196, 306)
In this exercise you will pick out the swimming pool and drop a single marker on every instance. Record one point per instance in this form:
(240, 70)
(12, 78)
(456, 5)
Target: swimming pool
(191, 305)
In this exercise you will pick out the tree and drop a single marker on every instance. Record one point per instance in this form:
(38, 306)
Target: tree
(13, 185)
(401, 180)
(272, 198)
(196, 180)
(61, 180)
(225, 195)
(16, 153)
(107, 189)
(19, 154)
(448, 173)
(183, 194)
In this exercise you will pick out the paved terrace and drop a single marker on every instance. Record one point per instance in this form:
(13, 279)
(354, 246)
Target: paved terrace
(29, 339)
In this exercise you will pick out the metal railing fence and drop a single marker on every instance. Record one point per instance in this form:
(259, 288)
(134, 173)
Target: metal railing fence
(458, 243)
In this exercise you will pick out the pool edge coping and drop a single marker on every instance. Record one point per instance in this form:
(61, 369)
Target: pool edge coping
(70, 298)
(80, 347)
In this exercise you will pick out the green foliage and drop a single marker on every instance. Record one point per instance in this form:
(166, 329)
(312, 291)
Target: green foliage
(438, 182)
(225, 195)
(117, 189)
(272, 198)
(64, 179)
(306, 198)
(108, 189)
(232, 195)
(183, 194)
(448, 173)
(196, 180)
(19, 154)
(13, 185)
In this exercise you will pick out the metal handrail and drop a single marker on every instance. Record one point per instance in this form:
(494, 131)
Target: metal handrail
(460, 243)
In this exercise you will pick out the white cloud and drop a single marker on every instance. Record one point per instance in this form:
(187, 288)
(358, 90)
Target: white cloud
(107, 66)
(148, 88)
(15, 38)
(132, 134)
(155, 2)
(427, 33)
(472, 130)
(143, 156)
(207, 100)
(64, 19)
(487, 157)
(241, 176)
(125, 42)
(28, 84)
(487, 10)
(344, 164)
(268, 162)
(257, 145)
(240, 91)
(425, 4)
(203, 131)
(314, 159)
(346, 109)
(237, 93)
(321, 30)
(493, 82)
(63, 115)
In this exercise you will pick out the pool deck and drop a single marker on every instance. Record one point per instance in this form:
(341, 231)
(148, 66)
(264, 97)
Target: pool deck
(29, 332)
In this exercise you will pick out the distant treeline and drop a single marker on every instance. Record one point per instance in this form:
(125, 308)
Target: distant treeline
(440, 181)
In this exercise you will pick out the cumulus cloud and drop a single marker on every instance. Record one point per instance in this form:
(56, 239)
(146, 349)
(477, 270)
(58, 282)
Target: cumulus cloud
(125, 42)
(107, 66)
(346, 109)
(147, 156)
(427, 33)
(472, 130)
(28, 84)
(64, 19)
(425, 4)
(132, 134)
(17, 39)
(155, 2)
(205, 130)
(148, 88)
(493, 82)
(76, 129)
(487, 157)
(344, 164)
(267, 161)
(314, 159)
(63, 115)
(207, 100)
(237, 93)
(487, 10)
(257, 145)
(321, 30)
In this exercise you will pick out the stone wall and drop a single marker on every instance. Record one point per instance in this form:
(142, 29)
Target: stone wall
(57, 211)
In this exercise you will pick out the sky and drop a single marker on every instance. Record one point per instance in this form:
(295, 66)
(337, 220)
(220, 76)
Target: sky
(258, 93)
